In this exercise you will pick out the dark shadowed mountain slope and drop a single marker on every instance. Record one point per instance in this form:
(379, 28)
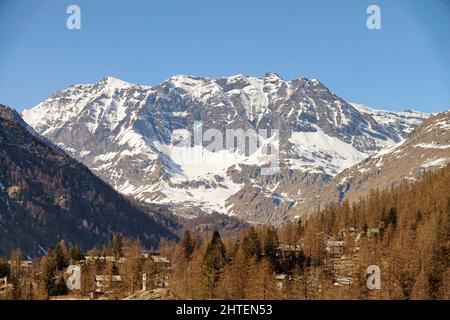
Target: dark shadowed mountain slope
(45, 196)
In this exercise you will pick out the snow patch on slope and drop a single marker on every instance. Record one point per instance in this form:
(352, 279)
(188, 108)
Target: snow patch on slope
(317, 148)
(440, 162)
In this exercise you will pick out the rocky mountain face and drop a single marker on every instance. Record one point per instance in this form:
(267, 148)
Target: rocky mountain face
(46, 196)
(427, 148)
(134, 137)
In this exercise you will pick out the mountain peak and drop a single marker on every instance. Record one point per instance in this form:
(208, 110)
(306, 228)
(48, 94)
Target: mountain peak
(115, 83)
(6, 112)
(12, 115)
(185, 78)
(272, 76)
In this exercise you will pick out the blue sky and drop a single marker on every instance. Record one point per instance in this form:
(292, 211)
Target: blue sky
(406, 64)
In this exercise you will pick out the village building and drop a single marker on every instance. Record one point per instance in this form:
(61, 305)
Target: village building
(279, 280)
(26, 264)
(107, 283)
(104, 258)
(3, 282)
(372, 232)
(335, 247)
(343, 281)
(346, 232)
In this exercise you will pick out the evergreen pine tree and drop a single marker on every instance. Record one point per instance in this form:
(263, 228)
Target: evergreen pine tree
(61, 260)
(214, 260)
(16, 274)
(271, 245)
(188, 244)
(75, 254)
(251, 244)
(4, 269)
(118, 245)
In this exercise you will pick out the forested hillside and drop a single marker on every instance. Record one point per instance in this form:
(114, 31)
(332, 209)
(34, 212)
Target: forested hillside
(46, 196)
(405, 231)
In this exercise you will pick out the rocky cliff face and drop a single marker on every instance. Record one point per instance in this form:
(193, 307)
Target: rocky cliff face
(129, 135)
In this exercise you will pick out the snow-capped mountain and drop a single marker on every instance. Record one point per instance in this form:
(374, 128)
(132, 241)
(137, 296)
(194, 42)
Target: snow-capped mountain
(130, 136)
(428, 147)
(403, 122)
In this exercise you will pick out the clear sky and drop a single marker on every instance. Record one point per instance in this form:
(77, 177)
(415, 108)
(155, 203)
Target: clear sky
(406, 64)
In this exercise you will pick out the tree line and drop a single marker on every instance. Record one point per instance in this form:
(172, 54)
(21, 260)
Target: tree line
(404, 230)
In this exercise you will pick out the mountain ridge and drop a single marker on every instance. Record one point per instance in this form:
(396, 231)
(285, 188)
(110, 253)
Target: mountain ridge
(427, 148)
(127, 135)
